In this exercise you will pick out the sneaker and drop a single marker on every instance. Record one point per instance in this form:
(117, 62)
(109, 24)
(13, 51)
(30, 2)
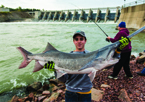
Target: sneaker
(141, 74)
(111, 77)
(129, 77)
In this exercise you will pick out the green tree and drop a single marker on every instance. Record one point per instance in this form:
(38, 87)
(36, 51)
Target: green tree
(19, 8)
(2, 6)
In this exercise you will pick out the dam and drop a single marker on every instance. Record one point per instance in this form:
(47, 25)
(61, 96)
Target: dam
(132, 13)
(86, 15)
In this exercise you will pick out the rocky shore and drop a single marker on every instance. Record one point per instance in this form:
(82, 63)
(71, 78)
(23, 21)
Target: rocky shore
(104, 90)
(14, 16)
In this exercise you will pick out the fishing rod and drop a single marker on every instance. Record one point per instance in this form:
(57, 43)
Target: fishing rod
(94, 22)
(101, 29)
(103, 32)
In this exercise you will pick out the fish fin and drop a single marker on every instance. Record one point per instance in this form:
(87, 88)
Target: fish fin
(60, 73)
(25, 54)
(49, 47)
(37, 67)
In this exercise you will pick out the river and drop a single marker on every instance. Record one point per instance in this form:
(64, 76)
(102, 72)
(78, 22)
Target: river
(33, 36)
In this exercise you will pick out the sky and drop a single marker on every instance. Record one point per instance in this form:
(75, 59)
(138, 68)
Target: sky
(62, 4)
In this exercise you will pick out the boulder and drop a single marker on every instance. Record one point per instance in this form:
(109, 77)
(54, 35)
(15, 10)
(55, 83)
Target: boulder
(21, 100)
(141, 58)
(34, 86)
(30, 97)
(46, 87)
(60, 91)
(54, 81)
(132, 57)
(124, 96)
(97, 95)
(105, 86)
(14, 99)
(54, 88)
(52, 98)
(46, 93)
(141, 53)
(41, 98)
(40, 90)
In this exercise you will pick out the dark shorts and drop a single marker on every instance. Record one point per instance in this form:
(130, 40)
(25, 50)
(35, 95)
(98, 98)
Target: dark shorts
(76, 97)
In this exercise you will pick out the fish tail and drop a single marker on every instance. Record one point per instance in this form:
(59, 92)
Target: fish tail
(25, 54)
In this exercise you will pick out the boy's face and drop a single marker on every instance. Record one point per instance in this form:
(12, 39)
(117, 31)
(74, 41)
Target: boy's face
(79, 42)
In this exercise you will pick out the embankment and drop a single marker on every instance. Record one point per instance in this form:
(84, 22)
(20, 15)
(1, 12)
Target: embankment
(13, 16)
(134, 16)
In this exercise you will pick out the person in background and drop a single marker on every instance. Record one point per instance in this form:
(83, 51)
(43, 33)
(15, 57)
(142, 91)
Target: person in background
(78, 86)
(142, 73)
(125, 53)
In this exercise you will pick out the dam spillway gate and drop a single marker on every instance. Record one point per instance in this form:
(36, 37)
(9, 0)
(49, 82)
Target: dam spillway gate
(92, 14)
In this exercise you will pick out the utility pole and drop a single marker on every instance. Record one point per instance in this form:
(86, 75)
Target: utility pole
(124, 3)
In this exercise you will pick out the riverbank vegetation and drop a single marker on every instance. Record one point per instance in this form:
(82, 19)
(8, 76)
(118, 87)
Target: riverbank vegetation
(20, 9)
(15, 14)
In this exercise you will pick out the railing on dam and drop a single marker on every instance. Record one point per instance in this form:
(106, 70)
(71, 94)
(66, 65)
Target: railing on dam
(92, 14)
(134, 3)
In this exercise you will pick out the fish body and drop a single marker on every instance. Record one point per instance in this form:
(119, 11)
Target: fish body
(69, 62)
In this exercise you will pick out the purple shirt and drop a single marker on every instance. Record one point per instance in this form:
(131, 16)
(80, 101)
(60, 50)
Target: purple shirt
(122, 33)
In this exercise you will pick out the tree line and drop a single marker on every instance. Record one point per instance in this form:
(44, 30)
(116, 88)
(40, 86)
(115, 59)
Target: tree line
(20, 9)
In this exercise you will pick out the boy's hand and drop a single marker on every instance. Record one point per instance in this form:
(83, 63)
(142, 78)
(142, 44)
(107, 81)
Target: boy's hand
(108, 38)
(50, 66)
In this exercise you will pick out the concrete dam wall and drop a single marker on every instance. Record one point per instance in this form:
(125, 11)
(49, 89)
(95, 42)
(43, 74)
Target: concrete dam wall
(133, 16)
(95, 14)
